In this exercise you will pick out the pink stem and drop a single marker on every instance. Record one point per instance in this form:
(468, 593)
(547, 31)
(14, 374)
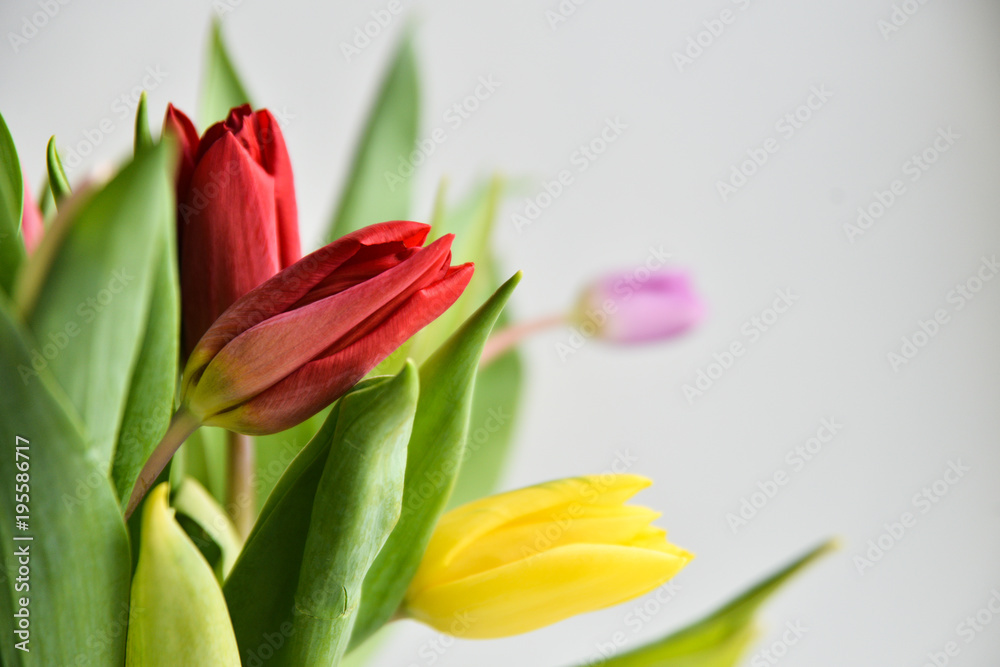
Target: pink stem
(503, 340)
(182, 425)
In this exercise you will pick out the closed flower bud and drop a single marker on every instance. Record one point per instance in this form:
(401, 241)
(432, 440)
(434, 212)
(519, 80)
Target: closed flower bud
(523, 560)
(31, 222)
(625, 308)
(297, 342)
(237, 223)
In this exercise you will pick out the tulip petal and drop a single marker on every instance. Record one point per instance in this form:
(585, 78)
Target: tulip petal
(31, 221)
(463, 525)
(624, 525)
(288, 287)
(177, 124)
(320, 382)
(229, 190)
(265, 354)
(275, 160)
(543, 589)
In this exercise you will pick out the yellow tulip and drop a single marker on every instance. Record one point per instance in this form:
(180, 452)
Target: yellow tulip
(523, 560)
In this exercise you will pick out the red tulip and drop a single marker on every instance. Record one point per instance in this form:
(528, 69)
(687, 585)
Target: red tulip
(237, 223)
(294, 344)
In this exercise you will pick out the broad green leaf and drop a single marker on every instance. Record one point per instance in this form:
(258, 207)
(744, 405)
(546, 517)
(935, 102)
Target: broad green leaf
(143, 139)
(356, 506)
(193, 501)
(86, 290)
(179, 616)
(722, 638)
(221, 88)
(150, 401)
(57, 175)
(79, 554)
(377, 190)
(491, 428)
(273, 550)
(434, 456)
(11, 205)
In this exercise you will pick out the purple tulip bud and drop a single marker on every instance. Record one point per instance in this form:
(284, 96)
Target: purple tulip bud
(625, 309)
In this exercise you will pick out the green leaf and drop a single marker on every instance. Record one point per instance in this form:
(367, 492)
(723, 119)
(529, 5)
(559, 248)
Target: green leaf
(221, 88)
(274, 549)
(193, 501)
(356, 506)
(79, 557)
(491, 428)
(150, 401)
(57, 175)
(143, 139)
(435, 453)
(179, 616)
(722, 638)
(11, 205)
(375, 192)
(86, 290)
(203, 457)
(46, 202)
(276, 451)
(498, 386)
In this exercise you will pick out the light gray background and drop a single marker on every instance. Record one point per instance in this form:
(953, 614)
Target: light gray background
(656, 185)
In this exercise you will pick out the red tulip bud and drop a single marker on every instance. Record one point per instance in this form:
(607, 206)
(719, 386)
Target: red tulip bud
(237, 223)
(294, 344)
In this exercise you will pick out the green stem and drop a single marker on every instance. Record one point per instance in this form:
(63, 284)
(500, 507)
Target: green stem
(241, 496)
(182, 425)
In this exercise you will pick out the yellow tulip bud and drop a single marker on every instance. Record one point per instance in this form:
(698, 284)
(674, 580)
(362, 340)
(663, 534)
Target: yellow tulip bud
(523, 560)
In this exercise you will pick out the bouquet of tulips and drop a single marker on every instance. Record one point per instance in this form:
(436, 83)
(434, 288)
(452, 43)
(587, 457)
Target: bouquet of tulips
(221, 451)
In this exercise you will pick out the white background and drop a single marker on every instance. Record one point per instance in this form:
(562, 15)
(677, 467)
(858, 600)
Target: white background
(657, 185)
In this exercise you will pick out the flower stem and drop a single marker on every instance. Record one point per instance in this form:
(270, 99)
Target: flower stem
(241, 496)
(182, 425)
(503, 340)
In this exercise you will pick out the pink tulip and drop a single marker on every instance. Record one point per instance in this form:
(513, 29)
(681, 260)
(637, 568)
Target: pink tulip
(624, 309)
